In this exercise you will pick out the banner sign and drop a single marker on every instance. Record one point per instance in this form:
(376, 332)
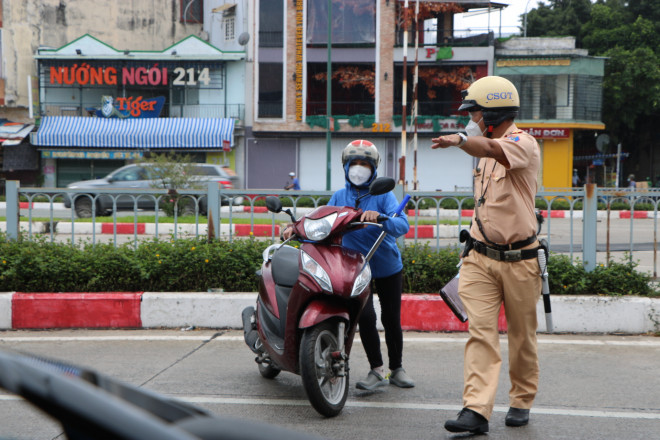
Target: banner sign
(439, 53)
(71, 154)
(548, 133)
(128, 107)
(151, 75)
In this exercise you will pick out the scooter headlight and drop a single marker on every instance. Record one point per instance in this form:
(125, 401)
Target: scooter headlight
(313, 268)
(318, 229)
(362, 281)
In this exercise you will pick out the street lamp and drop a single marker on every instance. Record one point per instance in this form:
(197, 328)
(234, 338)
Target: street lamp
(525, 23)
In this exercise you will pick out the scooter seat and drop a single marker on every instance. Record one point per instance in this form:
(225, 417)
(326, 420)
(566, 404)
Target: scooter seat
(285, 266)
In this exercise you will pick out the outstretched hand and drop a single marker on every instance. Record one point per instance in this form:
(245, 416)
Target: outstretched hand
(451, 140)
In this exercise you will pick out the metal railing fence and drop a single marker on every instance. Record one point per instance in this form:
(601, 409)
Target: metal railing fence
(591, 204)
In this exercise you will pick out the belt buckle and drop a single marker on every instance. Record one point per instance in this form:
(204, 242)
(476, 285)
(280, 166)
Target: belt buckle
(512, 255)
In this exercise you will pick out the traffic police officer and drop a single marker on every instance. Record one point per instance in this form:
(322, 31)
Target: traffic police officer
(502, 265)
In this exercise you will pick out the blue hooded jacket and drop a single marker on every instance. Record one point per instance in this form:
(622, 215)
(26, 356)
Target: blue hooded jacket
(387, 259)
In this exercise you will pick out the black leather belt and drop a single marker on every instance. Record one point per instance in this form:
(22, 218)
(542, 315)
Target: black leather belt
(505, 255)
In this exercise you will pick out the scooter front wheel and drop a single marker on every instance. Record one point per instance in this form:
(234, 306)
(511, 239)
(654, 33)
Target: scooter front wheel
(326, 391)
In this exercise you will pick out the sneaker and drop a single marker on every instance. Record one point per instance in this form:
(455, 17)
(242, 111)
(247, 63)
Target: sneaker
(373, 381)
(400, 378)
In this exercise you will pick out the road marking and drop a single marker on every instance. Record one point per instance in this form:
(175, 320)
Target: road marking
(550, 340)
(422, 406)
(574, 412)
(105, 338)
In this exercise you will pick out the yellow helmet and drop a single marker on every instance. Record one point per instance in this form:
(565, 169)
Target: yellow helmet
(495, 96)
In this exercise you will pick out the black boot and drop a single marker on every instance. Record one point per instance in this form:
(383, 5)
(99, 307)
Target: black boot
(468, 420)
(517, 417)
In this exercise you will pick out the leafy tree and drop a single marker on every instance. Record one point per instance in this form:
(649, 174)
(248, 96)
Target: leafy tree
(173, 171)
(627, 33)
(558, 18)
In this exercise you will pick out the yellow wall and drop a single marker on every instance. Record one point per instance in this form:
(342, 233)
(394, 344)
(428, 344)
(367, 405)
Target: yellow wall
(220, 157)
(557, 162)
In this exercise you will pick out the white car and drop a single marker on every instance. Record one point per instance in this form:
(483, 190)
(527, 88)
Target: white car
(141, 177)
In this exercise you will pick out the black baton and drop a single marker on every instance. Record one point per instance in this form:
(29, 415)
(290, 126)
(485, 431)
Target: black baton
(543, 265)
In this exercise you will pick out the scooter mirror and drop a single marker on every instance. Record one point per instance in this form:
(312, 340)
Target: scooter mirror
(274, 204)
(381, 185)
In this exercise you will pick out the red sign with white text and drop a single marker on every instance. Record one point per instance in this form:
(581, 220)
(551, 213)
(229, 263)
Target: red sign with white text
(548, 133)
(152, 75)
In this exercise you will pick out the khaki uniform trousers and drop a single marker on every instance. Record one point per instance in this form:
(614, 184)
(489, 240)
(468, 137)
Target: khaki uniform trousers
(484, 284)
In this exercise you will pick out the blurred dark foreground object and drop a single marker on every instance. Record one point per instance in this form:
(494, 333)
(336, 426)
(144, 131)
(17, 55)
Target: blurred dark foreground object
(89, 405)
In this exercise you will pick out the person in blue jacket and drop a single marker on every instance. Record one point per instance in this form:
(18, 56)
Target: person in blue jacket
(360, 160)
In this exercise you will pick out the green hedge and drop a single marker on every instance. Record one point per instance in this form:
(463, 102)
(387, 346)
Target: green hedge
(189, 265)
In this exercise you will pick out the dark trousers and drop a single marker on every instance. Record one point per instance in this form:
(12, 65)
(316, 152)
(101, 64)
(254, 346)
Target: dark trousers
(388, 290)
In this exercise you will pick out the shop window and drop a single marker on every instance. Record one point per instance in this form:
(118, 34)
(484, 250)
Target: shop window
(185, 96)
(588, 97)
(353, 22)
(548, 98)
(192, 11)
(271, 23)
(438, 89)
(526, 90)
(353, 89)
(270, 90)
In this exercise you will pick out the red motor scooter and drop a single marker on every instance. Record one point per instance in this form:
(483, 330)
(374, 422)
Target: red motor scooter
(310, 300)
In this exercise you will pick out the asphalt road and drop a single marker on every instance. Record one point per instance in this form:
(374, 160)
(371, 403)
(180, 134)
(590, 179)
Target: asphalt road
(592, 386)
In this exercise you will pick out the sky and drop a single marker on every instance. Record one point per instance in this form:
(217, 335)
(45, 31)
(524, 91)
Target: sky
(510, 21)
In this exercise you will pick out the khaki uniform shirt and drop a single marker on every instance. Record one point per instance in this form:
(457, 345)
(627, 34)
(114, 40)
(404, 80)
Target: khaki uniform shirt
(507, 208)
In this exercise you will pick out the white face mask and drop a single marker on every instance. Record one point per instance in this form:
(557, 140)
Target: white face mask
(359, 175)
(473, 129)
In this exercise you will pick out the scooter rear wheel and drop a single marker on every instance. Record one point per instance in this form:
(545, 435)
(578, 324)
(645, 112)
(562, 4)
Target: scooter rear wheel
(326, 391)
(268, 371)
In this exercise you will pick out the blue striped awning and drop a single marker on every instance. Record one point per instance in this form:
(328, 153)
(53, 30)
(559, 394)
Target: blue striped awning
(145, 133)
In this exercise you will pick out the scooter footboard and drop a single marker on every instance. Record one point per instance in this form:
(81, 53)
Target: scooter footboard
(319, 311)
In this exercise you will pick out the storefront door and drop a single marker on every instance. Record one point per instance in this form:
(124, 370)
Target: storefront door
(73, 170)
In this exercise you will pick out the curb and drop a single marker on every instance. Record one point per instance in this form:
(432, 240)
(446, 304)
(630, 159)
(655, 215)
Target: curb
(419, 312)
(453, 214)
(237, 230)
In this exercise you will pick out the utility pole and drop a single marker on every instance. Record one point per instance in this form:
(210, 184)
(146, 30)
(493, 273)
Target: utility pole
(415, 112)
(404, 98)
(328, 104)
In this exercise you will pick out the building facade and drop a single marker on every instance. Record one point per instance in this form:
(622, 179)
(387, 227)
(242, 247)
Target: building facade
(287, 129)
(107, 82)
(561, 93)
(256, 73)
(100, 106)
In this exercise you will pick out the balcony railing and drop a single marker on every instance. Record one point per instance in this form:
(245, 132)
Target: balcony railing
(435, 38)
(235, 111)
(271, 39)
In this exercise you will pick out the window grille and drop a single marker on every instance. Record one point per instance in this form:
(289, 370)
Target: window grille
(229, 28)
